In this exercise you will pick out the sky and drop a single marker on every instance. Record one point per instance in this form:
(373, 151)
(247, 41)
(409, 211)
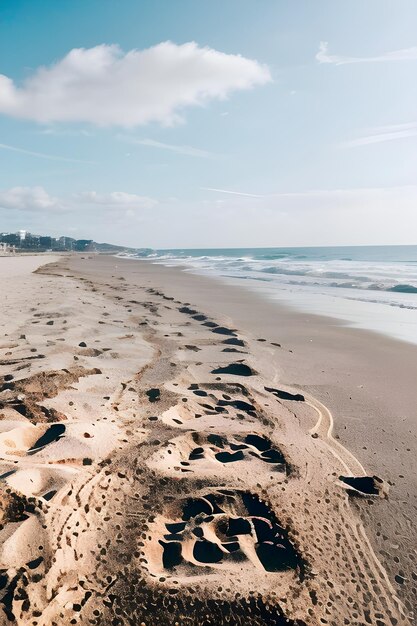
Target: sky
(185, 124)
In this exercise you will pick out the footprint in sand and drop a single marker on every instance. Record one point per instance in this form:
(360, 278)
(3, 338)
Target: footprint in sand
(224, 529)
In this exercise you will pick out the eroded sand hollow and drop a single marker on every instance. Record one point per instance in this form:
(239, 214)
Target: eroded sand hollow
(150, 476)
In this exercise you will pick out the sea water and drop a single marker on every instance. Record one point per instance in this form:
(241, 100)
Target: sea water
(370, 287)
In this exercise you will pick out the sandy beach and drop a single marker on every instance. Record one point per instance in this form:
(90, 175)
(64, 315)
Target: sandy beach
(175, 452)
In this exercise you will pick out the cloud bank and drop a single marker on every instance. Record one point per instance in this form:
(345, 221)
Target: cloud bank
(351, 216)
(406, 54)
(29, 199)
(116, 199)
(107, 87)
(37, 199)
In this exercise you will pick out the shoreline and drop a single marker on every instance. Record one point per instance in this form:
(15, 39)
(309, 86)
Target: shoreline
(156, 356)
(377, 298)
(276, 298)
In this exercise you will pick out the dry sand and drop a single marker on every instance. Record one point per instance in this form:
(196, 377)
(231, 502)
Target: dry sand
(164, 462)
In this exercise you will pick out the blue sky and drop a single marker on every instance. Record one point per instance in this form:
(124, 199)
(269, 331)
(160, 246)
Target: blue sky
(294, 142)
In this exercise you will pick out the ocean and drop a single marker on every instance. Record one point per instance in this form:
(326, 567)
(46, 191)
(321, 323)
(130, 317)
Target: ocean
(370, 287)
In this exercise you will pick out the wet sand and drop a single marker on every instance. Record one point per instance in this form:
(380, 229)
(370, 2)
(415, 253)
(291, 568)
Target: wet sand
(168, 456)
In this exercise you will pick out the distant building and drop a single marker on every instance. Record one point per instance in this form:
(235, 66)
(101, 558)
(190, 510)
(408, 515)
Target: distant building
(45, 242)
(82, 245)
(11, 238)
(23, 241)
(6, 249)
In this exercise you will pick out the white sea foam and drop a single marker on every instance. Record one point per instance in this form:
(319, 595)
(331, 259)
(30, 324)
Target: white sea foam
(370, 287)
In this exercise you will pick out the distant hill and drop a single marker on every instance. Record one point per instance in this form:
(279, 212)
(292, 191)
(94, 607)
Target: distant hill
(109, 247)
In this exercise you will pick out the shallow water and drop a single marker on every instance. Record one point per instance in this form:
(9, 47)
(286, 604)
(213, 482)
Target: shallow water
(370, 287)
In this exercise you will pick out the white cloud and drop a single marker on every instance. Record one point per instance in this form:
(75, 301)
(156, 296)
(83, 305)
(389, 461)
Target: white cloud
(104, 86)
(186, 150)
(54, 131)
(29, 199)
(383, 133)
(116, 199)
(40, 155)
(406, 54)
(234, 193)
(38, 200)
